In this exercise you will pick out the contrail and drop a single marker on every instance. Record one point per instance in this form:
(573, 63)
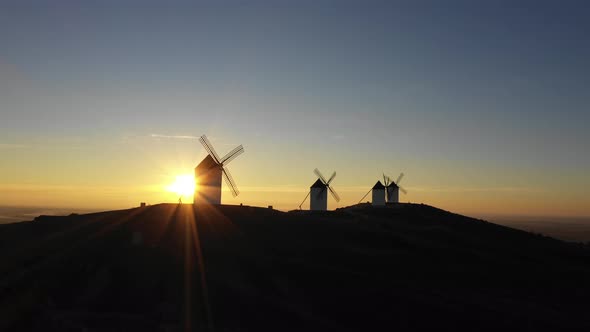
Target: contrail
(174, 136)
(5, 146)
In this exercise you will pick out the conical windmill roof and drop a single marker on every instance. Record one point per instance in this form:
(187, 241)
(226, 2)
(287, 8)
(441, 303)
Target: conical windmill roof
(207, 163)
(318, 184)
(378, 185)
(392, 185)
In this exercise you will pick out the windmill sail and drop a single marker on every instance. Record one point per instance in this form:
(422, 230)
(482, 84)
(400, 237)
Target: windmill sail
(319, 174)
(232, 155)
(334, 194)
(230, 182)
(205, 142)
(399, 178)
(326, 184)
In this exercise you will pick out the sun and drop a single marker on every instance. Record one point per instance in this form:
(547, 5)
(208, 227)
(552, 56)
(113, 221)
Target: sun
(183, 186)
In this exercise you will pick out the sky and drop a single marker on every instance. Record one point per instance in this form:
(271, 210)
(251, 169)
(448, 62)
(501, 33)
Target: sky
(484, 105)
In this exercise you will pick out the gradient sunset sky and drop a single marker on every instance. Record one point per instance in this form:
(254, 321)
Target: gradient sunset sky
(484, 105)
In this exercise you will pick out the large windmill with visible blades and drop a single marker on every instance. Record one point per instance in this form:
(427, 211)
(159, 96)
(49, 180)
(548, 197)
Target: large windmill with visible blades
(392, 188)
(209, 172)
(318, 192)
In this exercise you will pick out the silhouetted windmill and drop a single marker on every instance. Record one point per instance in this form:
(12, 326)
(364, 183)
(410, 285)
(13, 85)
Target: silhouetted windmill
(392, 188)
(209, 172)
(319, 192)
(378, 194)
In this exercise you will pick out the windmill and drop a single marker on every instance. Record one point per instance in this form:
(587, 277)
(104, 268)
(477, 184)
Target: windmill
(209, 172)
(392, 188)
(318, 192)
(378, 196)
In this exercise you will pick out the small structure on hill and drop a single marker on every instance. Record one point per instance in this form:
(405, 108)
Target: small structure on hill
(209, 172)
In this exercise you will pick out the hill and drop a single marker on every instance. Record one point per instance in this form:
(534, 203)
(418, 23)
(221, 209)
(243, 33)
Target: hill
(238, 268)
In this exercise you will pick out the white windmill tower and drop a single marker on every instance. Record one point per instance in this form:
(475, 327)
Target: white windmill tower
(392, 188)
(378, 196)
(318, 192)
(209, 172)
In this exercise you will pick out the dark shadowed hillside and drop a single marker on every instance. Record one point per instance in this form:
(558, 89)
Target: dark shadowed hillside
(232, 268)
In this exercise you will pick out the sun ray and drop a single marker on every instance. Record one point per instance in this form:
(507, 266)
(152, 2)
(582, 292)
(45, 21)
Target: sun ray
(198, 251)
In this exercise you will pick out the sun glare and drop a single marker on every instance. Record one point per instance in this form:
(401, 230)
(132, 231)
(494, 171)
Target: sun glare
(183, 186)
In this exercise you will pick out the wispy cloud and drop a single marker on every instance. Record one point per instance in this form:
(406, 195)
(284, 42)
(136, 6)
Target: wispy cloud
(189, 137)
(28, 187)
(174, 136)
(5, 146)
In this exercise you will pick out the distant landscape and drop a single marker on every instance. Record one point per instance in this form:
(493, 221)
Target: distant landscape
(572, 229)
(10, 215)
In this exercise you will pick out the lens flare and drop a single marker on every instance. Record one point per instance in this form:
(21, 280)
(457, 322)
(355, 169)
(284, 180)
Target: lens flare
(183, 186)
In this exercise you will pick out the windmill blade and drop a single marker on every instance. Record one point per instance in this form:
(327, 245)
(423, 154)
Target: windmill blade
(334, 194)
(399, 178)
(230, 182)
(319, 174)
(232, 155)
(387, 180)
(403, 190)
(331, 178)
(203, 139)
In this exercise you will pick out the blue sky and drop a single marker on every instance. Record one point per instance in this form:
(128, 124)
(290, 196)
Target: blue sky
(489, 94)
